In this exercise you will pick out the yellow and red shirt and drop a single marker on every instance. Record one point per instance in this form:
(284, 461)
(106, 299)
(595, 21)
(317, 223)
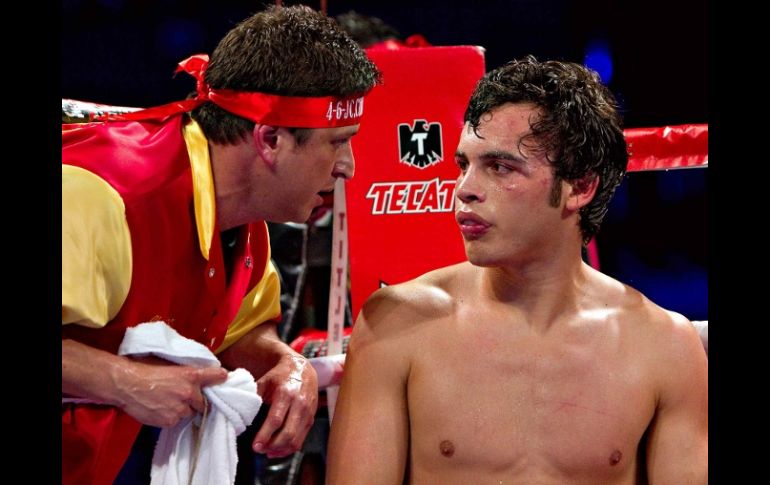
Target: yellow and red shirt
(140, 242)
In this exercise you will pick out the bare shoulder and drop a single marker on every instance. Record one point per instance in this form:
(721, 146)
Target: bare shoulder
(396, 307)
(668, 332)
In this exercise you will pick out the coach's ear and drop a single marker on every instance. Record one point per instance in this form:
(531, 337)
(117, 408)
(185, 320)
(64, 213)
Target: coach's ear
(582, 191)
(266, 143)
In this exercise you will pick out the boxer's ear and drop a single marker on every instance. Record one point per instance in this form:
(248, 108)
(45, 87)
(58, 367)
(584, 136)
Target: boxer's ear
(582, 191)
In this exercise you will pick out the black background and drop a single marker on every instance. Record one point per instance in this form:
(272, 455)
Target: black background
(124, 51)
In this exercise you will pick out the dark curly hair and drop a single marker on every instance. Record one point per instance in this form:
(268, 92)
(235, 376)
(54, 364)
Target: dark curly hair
(290, 51)
(579, 129)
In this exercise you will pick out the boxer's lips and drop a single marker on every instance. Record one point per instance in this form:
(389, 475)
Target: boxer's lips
(472, 225)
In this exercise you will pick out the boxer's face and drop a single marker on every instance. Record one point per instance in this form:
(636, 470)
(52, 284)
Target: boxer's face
(503, 190)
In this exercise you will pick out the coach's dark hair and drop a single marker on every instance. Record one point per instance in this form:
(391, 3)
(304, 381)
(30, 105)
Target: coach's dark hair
(579, 128)
(290, 51)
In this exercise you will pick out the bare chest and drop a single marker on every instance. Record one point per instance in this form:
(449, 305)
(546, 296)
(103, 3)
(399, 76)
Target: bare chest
(526, 406)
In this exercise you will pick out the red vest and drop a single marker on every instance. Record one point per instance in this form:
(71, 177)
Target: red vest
(147, 164)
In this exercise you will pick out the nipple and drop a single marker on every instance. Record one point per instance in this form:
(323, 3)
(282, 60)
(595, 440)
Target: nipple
(447, 448)
(615, 457)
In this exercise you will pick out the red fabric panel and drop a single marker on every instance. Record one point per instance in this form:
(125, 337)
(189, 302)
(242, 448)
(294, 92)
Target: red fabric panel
(397, 208)
(96, 441)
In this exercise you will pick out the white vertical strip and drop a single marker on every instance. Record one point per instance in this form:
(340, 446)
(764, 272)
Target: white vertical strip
(338, 284)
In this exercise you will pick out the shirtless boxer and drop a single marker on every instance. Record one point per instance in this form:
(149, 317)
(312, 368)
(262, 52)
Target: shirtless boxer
(524, 364)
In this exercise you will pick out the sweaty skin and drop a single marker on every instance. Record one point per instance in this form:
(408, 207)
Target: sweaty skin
(568, 404)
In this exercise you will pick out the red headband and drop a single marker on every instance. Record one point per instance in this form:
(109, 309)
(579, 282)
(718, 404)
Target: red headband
(269, 109)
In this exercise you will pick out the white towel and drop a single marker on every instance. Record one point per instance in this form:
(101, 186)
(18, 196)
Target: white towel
(198, 450)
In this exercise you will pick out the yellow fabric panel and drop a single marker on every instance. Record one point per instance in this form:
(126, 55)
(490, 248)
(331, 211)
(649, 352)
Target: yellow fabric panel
(263, 303)
(203, 182)
(96, 249)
